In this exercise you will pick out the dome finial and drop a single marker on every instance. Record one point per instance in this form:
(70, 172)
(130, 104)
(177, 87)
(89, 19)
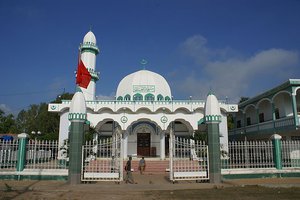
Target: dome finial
(91, 26)
(144, 63)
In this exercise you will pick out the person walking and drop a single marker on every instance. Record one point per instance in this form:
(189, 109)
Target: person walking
(142, 165)
(128, 177)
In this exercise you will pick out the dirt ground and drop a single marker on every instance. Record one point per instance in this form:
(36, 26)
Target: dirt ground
(154, 187)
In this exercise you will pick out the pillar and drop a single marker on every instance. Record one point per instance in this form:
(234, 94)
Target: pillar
(294, 102)
(76, 139)
(21, 159)
(162, 145)
(276, 140)
(214, 154)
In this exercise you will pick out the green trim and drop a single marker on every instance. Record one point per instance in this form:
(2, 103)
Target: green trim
(213, 118)
(89, 47)
(262, 175)
(34, 177)
(127, 97)
(201, 121)
(138, 97)
(120, 98)
(167, 98)
(77, 116)
(149, 97)
(160, 97)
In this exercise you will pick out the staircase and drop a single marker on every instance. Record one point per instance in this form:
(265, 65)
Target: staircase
(152, 166)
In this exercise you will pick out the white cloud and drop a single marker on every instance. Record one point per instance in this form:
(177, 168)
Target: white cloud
(106, 97)
(228, 74)
(5, 109)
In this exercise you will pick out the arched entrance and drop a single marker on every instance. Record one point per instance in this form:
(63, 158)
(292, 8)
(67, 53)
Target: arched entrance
(146, 139)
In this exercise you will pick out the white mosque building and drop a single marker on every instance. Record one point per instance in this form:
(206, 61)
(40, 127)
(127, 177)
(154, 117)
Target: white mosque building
(143, 111)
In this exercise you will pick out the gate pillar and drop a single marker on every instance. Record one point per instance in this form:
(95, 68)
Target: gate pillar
(77, 116)
(212, 119)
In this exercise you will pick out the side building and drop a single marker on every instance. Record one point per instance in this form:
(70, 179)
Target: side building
(274, 111)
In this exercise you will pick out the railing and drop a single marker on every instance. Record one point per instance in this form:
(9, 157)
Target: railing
(287, 121)
(249, 154)
(290, 153)
(41, 154)
(8, 155)
(189, 160)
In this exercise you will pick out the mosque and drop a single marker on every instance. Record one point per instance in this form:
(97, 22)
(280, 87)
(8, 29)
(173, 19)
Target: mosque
(143, 111)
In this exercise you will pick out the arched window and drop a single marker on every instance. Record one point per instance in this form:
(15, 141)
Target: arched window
(127, 97)
(149, 97)
(138, 97)
(120, 98)
(167, 98)
(160, 97)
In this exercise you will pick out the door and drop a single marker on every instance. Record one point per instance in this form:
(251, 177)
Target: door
(143, 144)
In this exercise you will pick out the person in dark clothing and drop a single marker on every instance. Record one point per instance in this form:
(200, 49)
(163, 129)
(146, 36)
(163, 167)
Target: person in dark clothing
(128, 177)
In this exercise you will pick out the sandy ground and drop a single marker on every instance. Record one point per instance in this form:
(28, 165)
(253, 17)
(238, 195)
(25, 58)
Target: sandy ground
(154, 187)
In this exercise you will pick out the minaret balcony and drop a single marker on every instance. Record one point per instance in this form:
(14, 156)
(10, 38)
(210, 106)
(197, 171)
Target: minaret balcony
(94, 74)
(89, 47)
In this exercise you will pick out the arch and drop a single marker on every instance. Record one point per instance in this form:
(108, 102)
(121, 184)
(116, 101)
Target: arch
(167, 98)
(280, 92)
(296, 89)
(248, 107)
(263, 99)
(141, 120)
(163, 110)
(105, 110)
(187, 124)
(149, 97)
(144, 110)
(127, 97)
(124, 110)
(120, 98)
(160, 97)
(138, 97)
(282, 102)
(182, 110)
(265, 110)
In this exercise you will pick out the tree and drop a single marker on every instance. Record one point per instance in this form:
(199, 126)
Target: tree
(243, 99)
(7, 123)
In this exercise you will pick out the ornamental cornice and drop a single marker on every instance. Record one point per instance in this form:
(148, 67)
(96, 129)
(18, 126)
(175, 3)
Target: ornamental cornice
(213, 118)
(77, 116)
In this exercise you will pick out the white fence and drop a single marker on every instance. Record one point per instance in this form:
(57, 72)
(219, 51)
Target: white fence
(42, 154)
(188, 159)
(249, 154)
(102, 161)
(290, 153)
(8, 155)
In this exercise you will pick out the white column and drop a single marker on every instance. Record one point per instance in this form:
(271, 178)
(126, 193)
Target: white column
(162, 146)
(125, 144)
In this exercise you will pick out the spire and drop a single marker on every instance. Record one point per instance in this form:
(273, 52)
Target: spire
(144, 63)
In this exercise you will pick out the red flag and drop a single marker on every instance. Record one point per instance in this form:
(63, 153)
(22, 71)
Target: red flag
(83, 77)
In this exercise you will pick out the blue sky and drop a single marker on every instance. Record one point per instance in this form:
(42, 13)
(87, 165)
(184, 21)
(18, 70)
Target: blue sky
(235, 47)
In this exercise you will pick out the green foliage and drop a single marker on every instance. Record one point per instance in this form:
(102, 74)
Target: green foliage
(243, 99)
(200, 135)
(7, 123)
(35, 118)
(230, 122)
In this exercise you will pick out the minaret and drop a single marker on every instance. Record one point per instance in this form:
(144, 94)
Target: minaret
(212, 120)
(89, 50)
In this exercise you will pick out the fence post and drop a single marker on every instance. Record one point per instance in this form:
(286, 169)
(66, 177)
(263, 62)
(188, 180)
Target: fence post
(23, 137)
(277, 150)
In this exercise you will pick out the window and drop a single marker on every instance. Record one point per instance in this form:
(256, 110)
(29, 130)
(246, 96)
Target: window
(160, 97)
(261, 117)
(239, 124)
(138, 97)
(120, 98)
(277, 116)
(127, 97)
(248, 121)
(149, 97)
(167, 98)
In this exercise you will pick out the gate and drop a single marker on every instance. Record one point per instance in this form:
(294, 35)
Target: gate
(102, 160)
(188, 159)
